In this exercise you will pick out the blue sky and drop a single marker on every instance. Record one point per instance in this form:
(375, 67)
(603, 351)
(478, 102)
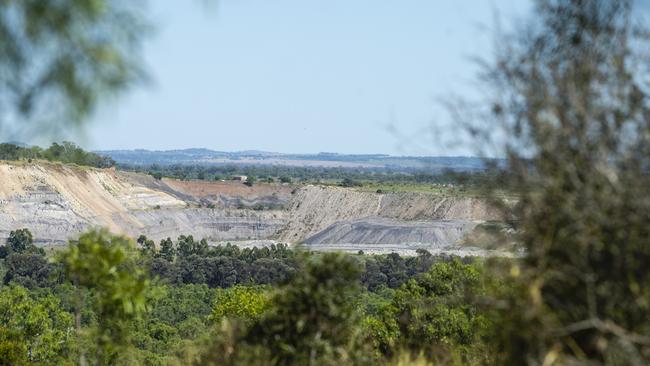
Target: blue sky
(303, 75)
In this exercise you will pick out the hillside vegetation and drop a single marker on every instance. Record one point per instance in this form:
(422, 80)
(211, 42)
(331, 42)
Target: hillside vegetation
(183, 302)
(66, 152)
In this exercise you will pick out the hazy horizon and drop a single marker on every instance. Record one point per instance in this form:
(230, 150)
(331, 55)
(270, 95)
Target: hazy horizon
(295, 77)
(44, 145)
(289, 152)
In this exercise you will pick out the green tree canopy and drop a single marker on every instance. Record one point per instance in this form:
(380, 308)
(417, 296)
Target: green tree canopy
(312, 316)
(20, 240)
(106, 265)
(33, 330)
(246, 303)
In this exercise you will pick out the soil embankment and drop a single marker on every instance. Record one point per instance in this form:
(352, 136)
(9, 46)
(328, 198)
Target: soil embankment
(315, 208)
(56, 202)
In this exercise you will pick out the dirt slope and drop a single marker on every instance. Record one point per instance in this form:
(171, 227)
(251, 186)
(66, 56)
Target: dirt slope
(233, 194)
(386, 231)
(72, 197)
(315, 208)
(57, 202)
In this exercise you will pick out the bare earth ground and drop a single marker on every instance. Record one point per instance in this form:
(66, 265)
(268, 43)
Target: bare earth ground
(204, 189)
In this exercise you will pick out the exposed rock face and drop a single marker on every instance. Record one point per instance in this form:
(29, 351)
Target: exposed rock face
(315, 208)
(57, 202)
(43, 211)
(414, 206)
(386, 231)
(212, 224)
(233, 194)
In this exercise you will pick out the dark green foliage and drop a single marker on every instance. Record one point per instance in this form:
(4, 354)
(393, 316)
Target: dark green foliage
(164, 270)
(186, 246)
(438, 308)
(177, 315)
(320, 313)
(213, 271)
(13, 152)
(26, 264)
(322, 316)
(167, 251)
(147, 246)
(392, 270)
(228, 265)
(250, 181)
(224, 271)
(31, 271)
(107, 266)
(437, 313)
(348, 182)
(34, 330)
(20, 240)
(312, 319)
(221, 266)
(179, 304)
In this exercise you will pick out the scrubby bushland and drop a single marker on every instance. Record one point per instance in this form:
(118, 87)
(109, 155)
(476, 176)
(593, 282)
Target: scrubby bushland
(66, 152)
(188, 261)
(348, 177)
(267, 305)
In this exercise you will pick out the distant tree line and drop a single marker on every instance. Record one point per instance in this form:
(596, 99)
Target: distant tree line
(190, 261)
(65, 152)
(343, 176)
